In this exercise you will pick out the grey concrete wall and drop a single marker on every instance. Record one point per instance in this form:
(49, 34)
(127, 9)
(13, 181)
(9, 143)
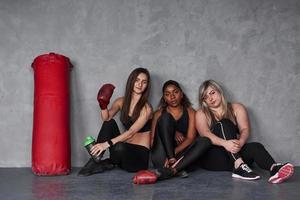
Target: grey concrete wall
(251, 47)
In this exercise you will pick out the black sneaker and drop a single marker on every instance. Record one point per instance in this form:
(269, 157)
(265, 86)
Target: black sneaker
(103, 165)
(91, 167)
(87, 168)
(244, 172)
(182, 174)
(281, 172)
(164, 173)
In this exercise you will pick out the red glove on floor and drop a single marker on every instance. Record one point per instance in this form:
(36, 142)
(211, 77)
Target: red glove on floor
(145, 177)
(104, 95)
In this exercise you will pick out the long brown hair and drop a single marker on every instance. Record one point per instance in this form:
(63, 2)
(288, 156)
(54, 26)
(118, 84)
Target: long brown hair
(227, 108)
(185, 102)
(128, 92)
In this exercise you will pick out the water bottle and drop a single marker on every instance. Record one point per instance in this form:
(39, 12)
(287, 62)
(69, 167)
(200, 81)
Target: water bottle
(88, 144)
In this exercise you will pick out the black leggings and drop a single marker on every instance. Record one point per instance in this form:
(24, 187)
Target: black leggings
(218, 159)
(164, 145)
(130, 157)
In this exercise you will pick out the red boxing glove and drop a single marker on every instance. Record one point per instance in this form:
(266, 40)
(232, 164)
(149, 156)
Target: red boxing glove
(104, 95)
(145, 177)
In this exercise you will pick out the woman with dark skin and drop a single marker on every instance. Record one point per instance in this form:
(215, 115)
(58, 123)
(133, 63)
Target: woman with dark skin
(175, 144)
(130, 149)
(227, 126)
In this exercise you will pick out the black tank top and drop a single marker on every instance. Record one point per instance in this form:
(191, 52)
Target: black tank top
(182, 124)
(214, 121)
(145, 128)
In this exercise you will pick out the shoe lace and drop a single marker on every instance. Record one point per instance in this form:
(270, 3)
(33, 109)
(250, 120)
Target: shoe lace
(277, 164)
(246, 168)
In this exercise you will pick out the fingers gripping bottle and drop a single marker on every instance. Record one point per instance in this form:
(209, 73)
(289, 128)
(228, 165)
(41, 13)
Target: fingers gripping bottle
(88, 144)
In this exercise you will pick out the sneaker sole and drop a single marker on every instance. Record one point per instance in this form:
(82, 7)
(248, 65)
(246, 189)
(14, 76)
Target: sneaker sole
(245, 178)
(283, 174)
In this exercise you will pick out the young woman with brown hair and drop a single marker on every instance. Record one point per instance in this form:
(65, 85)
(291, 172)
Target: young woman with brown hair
(130, 149)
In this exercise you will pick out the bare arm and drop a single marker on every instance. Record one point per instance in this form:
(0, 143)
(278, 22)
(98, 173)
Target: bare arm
(242, 122)
(191, 132)
(108, 114)
(204, 130)
(145, 115)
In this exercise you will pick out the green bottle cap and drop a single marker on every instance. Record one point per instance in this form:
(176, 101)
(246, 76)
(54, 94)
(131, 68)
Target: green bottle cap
(88, 140)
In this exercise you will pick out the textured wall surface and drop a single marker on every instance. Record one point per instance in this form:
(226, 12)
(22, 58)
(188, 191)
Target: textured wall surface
(251, 47)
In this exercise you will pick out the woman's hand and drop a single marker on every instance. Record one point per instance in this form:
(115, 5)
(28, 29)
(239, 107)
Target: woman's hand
(233, 146)
(169, 162)
(166, 164)
(179, 138)
(97, 149)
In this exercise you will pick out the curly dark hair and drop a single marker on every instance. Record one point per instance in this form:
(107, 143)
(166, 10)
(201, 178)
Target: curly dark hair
(185, 101)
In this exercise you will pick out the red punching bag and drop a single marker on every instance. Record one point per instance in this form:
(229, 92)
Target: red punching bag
(51, 131)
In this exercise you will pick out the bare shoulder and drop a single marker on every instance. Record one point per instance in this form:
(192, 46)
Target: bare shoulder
(239, 110)
(148, 107)
(157, 114)
(237, 107)
(199, 112)
(191, 111)
(201, 120)
(119, 101)
(200, 115)
(147, 110)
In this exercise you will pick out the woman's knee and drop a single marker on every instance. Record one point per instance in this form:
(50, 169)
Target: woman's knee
(109, 130)
(117, 152)
(165, 119)
(119, 148)
(207, 141)
(254, 148)
(110, 123)
(255, 145)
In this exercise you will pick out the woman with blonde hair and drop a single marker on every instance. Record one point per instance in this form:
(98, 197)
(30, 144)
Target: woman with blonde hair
(227, 126)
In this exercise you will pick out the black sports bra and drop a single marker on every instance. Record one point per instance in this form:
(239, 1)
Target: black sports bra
(182, 124)
(146, 127)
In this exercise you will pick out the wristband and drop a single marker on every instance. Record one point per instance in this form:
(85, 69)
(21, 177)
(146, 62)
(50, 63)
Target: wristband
(110, 143)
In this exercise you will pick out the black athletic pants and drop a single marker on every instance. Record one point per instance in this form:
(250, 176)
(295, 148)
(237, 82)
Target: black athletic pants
(130, 157)
(164, 144)
(218, 159)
